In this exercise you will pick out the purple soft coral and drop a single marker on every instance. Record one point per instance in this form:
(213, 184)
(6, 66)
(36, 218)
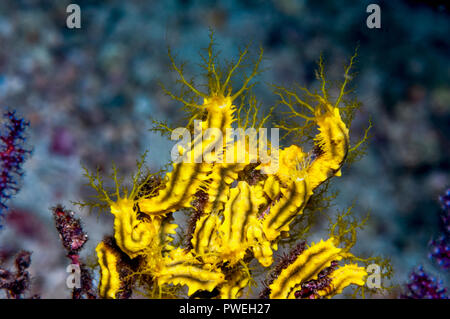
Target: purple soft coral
(421, 284)
(424, 286)
(12, 156)
(445, 202)
(440, 247)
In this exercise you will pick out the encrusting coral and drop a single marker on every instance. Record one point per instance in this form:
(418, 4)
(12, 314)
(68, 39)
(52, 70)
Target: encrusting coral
(240, 208)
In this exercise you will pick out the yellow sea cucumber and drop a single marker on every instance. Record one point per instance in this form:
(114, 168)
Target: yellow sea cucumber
(243, 207)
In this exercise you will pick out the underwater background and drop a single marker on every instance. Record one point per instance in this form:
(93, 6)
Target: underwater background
(90, 95)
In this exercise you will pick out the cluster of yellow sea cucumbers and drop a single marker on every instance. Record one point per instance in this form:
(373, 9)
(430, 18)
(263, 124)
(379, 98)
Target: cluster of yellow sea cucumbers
(241, 209)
